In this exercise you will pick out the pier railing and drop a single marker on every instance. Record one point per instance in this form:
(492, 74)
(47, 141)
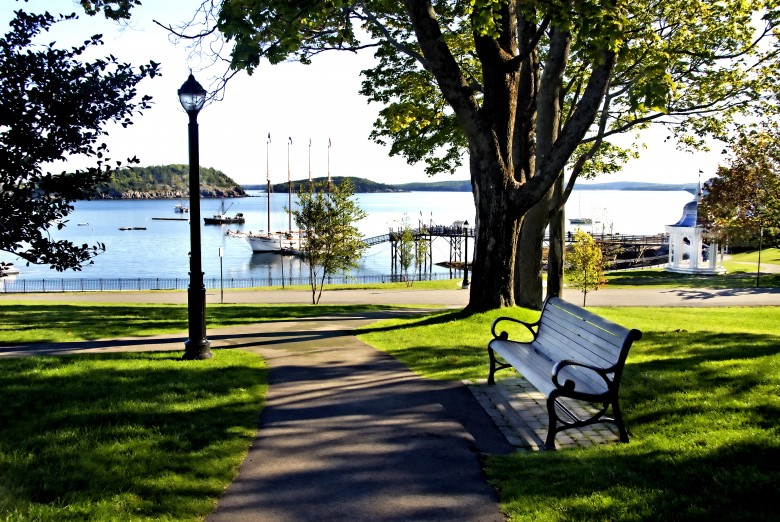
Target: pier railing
(54, 285)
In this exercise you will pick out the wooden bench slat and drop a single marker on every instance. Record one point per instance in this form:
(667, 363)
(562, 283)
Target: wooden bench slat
(597, 320)
(595, 332)
(575, 348)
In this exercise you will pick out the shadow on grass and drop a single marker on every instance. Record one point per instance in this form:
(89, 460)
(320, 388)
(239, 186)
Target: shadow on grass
(138, 434)
(25, 323)
(737, 279)
(704, 415)
(735, 482)
(690, 373)
(430, 319)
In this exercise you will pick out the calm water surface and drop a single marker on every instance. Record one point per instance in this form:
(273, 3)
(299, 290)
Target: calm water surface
(161, 250)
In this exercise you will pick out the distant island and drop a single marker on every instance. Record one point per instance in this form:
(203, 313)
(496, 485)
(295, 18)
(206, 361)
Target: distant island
(172, 181)
(363, 185)
(167, 182)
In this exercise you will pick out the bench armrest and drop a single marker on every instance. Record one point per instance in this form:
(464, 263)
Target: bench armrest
(503, 335)
(568, 385)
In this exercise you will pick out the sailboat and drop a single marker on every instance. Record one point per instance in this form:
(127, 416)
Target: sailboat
(580, 220)
(281, 242)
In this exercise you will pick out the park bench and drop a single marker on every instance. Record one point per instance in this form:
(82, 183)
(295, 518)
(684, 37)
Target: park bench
(575, 354)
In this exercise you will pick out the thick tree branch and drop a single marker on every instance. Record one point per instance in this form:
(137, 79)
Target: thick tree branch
(570, 136)
(389, 38)
(442, 64)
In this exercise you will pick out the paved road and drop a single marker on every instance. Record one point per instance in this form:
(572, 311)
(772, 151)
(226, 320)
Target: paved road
(449, 298)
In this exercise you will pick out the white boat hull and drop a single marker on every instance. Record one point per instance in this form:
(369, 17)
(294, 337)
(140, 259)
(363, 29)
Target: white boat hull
(280, 243)
(261, 244)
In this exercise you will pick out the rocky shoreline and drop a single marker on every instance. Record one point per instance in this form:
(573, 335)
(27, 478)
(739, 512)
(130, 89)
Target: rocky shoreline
(167, 194)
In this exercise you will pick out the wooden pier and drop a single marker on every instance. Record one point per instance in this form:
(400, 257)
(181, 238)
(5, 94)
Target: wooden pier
(616, 247)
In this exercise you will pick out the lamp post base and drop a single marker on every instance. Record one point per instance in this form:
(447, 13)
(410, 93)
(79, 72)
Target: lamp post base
(197, 349)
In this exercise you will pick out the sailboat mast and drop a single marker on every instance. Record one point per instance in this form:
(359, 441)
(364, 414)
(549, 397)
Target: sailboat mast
(268, 183)
(289, 186)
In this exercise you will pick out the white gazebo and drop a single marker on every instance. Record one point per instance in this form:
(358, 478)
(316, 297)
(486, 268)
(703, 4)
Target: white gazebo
(688, 253)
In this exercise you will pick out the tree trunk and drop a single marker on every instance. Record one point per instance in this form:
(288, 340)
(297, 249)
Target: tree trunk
(492, 275)
(528, 264)
(529, 282)
(556, 252)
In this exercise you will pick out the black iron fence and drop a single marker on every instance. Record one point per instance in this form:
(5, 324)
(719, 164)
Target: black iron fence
(13, 285)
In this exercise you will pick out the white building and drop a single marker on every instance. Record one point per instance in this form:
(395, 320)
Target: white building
(688, 253)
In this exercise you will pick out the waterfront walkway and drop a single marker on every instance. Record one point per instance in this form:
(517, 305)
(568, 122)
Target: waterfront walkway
(348, 432)
(455, 298)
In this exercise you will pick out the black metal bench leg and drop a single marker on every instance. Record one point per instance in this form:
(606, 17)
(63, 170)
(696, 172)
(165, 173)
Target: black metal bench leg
(619, 421)
(551, 430)
(491, 378)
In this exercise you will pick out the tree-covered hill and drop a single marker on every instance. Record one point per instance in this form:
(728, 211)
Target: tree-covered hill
(361, 185)
(167, 181)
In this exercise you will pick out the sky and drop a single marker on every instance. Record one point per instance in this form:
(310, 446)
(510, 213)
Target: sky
(296, 104)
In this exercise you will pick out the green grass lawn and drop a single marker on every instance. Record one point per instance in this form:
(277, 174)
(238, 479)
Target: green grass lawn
(37, 322)
(768, 255)
(741, 273)
(701, 399)
(124, 436)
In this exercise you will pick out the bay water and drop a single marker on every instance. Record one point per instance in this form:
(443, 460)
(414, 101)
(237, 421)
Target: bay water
(160, 248)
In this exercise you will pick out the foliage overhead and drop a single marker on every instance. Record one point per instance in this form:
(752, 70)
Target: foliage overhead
(54, 105)
(744, 198)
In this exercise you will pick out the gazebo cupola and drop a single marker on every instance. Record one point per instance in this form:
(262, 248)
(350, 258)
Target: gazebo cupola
(687, 251)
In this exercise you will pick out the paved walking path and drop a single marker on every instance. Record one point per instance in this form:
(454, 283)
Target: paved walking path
(349, 433)
(695, 297)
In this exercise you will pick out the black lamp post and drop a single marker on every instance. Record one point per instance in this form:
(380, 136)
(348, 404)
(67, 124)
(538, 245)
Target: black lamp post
(466, 255)
(192, 97)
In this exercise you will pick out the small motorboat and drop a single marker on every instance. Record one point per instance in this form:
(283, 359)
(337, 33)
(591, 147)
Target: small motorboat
(221, 218)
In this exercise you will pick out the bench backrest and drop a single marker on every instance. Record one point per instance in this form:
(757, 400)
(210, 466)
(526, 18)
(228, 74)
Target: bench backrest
(567, 331)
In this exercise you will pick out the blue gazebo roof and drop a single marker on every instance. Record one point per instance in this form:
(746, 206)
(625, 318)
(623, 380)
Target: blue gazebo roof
(690, 217)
